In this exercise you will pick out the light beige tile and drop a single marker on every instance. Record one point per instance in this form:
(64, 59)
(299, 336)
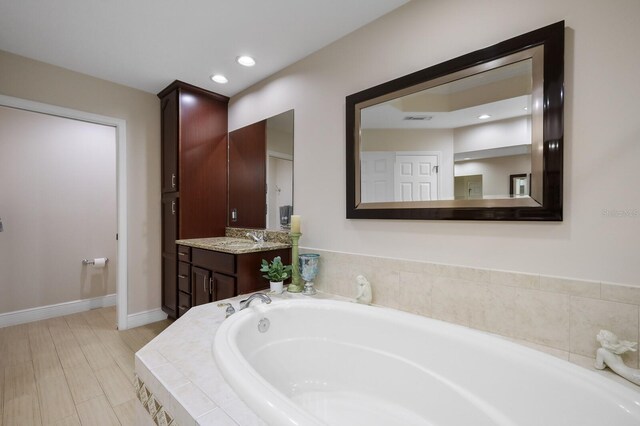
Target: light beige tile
(55, 399)
(115, 385)
(97, 355)
(110, 315)
(572, 287)
(463, 273)
(497, 311)
(41, 343)
(414, 293)
(133, 339)
(385, 286)
(97, 412)
(543, 318)
(589, 316)
(61, 335)
(128, 414)
(620, 293)
(69, 421)
(19, 379)
(83, 383)
(47, 365)
(514, 279)
(15, 350)
(456, 301)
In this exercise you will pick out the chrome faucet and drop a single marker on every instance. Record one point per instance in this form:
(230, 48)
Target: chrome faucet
(257, 236)
(245, 303)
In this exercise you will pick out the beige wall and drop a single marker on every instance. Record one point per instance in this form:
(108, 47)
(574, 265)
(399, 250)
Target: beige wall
(58, 206)
(496, 134)
(495, 172)
(27, 79)
(601, 135)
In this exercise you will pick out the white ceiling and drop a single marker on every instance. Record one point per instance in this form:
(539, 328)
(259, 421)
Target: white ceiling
(146, 44)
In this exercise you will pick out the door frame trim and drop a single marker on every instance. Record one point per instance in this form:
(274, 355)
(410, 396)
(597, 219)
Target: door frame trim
(121, 184)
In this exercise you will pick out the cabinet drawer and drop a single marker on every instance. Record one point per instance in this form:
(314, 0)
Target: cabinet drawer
(214, 260)
(184, 303)
(184, 277)
(184, 253)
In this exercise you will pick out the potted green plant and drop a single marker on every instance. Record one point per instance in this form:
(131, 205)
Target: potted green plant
(276, 273)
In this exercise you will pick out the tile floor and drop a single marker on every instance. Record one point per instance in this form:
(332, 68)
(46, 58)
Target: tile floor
(71, 370)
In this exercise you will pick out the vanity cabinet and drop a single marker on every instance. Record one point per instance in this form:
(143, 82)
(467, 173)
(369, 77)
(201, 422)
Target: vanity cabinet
(205, 276)
(194, 175)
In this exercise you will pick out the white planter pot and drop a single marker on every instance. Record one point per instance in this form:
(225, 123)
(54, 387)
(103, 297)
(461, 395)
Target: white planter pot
(276, 287)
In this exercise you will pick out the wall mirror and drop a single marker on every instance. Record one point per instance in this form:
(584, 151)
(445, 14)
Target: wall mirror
(478, 137)
(261, 174)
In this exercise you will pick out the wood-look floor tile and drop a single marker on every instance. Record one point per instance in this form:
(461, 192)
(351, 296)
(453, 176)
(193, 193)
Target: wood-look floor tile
(69, 421)
(71, 356)
(133, 339)
(47, 365)
(22, 410)
(132, 413)
(15, 351)
(115, 385)
(97, 412)
(97, 321)
(97, 355)
(110, 315)
(127, 365)
(21, 406)
(42, 343)
(82, 383)
(55, 399)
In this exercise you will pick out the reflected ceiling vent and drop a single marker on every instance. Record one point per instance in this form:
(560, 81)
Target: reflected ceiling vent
(418, 117)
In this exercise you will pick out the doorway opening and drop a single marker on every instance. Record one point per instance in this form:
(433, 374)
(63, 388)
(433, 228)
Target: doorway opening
(117, 127)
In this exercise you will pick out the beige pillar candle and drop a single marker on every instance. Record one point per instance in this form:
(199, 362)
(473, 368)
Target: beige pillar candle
(295, 223)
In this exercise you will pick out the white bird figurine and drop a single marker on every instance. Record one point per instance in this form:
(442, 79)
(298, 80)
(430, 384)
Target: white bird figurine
(364, 295)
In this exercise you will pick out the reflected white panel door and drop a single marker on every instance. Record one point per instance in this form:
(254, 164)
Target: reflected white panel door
(376, 176)
(416, 177)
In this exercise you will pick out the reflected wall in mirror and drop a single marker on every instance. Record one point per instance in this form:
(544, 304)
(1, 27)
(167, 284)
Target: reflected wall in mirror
(447, 141)
(261, 174)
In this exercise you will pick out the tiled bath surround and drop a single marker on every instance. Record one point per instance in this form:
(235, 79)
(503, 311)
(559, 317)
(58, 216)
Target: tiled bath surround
(563, 315)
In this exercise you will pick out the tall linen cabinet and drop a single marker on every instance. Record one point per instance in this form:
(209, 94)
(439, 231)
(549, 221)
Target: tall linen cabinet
(194, 174)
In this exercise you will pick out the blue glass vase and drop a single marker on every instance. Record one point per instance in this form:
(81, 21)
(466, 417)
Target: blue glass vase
(308, 271)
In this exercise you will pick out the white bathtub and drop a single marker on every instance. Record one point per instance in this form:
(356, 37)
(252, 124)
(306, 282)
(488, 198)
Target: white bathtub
(337, 363)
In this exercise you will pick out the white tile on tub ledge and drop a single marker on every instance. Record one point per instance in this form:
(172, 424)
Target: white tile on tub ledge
(193, 400)
(414, 293)
(151, 358)
(463, 273)
(216, 417)
(242, 414)
(169, 376)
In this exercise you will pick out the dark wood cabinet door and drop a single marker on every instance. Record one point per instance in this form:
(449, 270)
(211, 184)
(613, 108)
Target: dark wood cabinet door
(201, 285)
(169, 223)
(169, 135)
(169, 284)
(224, 286)
(247, 176)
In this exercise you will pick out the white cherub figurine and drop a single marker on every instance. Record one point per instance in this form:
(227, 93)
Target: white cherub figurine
(364, 290)
(610, 342)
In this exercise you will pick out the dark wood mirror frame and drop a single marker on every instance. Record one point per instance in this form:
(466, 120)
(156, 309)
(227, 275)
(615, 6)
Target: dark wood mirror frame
(550, 208)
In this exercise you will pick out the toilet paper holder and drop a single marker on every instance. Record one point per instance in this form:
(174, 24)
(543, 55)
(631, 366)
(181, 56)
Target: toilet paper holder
(93, 261)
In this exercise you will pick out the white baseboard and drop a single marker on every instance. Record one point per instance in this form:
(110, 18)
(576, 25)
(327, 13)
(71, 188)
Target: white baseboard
(146, 317)
(58, 310)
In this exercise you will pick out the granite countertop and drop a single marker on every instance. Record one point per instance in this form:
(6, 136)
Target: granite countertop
(233, 245)
(178, 379)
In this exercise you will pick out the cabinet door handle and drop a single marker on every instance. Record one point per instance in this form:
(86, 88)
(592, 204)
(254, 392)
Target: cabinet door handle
(204, 283)
(173, 207)
(210, 285)
(173, 180)
(182, 276)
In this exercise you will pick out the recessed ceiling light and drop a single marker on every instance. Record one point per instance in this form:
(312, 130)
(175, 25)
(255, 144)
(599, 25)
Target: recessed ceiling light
(483, 116)
(526, 108)
(246, 61)
(219, 78)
